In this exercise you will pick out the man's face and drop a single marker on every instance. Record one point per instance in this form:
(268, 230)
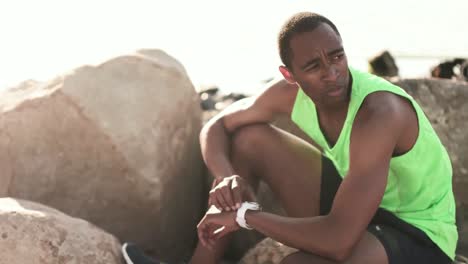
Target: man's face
(319, 66)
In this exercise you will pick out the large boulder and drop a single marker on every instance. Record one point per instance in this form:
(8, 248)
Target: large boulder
(33, 233)
(268, 251)
(115, 144)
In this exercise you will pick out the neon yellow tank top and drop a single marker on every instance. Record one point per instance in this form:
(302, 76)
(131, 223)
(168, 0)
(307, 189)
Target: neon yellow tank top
(419, 187)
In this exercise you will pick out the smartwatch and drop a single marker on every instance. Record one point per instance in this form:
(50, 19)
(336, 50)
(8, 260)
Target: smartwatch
(240, 217)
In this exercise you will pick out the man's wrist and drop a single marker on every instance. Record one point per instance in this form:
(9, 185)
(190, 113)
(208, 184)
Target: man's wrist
(250, 214)
(241, 212)
(219, 178)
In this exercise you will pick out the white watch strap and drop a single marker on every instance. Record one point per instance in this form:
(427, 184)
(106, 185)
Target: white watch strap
(240, 217)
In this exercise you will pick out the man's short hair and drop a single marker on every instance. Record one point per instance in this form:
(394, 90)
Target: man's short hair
(297, 24)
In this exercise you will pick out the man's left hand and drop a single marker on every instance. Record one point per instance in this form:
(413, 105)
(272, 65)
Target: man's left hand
(216, 224)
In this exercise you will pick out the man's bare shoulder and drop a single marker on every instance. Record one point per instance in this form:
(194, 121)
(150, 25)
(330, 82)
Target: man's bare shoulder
(393, 112)
(279, 96)
(385, 104)
(277, 99)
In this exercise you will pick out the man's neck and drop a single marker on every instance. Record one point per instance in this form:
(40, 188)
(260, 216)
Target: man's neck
(335, 112)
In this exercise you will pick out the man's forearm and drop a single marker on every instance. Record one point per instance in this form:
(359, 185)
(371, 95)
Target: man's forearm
(318, 235)
(215, 147)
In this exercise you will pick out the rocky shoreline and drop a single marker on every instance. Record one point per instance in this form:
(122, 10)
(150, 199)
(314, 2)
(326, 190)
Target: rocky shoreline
(109, 153)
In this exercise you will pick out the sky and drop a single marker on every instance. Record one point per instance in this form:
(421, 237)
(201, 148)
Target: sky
(230, 44)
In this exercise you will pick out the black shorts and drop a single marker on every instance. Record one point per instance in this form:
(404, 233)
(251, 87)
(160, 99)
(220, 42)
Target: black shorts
(403, 242)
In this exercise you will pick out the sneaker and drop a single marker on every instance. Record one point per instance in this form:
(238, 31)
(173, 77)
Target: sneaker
(134, 255)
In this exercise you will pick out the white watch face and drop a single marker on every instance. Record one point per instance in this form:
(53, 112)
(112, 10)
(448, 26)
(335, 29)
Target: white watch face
(253, 206)
(240, 217)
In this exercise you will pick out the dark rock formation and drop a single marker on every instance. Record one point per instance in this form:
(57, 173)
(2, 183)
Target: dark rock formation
(384, 65)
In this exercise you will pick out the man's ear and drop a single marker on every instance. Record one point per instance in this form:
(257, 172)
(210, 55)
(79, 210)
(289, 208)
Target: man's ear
(287, 74)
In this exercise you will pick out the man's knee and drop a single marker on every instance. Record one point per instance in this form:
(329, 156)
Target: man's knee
(249, 138)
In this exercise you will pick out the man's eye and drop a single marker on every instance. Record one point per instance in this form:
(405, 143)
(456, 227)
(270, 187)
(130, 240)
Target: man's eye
(338, 56)
(312, 67)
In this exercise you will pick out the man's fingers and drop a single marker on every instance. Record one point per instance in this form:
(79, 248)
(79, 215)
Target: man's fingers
(217, 231)
(214, 199)
(221, 232)
(237, 194)
(214, 202)
(227, 195)
(221, 203)
(211, 241)
(205, 230)
(202, 236)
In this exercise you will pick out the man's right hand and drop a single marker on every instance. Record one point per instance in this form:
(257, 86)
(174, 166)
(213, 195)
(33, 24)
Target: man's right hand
(228, 194)
(277, 99)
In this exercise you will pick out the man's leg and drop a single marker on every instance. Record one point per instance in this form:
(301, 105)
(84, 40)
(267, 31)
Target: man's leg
(369, 250)
(290, 166)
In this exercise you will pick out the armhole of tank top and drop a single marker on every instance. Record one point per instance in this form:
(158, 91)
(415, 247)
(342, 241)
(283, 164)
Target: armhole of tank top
(415, 110)
(294, 112)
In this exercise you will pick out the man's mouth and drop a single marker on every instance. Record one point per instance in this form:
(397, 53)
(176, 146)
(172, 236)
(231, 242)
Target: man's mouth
(335, 91)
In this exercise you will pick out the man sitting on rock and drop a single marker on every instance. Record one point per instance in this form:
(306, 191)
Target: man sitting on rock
(378, 191)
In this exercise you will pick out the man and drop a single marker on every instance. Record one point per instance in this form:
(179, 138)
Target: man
(379, 192)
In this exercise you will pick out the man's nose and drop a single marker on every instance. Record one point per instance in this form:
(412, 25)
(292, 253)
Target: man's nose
(329, 72)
